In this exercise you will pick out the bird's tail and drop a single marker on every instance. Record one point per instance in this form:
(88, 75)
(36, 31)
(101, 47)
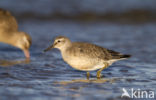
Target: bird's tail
(117, 55)
(121, 56)
(125, 56)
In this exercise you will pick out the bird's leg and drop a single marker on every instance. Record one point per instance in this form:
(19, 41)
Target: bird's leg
(88, 74)
(98, 75)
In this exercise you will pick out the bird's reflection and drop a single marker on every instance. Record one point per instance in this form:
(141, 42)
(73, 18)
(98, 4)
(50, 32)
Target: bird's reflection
(76, 89)
(86, 81)
(7, 63)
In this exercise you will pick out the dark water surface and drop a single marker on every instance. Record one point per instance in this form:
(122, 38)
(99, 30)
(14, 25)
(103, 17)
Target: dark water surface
(48, 77)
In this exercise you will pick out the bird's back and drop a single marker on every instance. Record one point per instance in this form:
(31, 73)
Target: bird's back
(94, 51)
(7, 22)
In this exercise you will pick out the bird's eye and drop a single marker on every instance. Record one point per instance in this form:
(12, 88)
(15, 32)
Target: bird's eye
(58, 41)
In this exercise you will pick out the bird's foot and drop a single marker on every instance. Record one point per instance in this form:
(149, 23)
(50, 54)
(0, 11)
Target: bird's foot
(88, 75)
(98, 75)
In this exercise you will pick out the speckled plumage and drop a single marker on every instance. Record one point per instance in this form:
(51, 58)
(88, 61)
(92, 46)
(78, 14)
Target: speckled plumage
(89, 50)
(85, 56)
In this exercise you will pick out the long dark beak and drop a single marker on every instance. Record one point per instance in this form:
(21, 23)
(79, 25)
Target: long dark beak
(50, 47)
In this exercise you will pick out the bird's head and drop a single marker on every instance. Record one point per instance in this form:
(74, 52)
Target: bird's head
(60, 42)
(23, 41)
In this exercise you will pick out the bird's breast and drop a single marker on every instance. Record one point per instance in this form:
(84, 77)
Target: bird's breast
(81, 62)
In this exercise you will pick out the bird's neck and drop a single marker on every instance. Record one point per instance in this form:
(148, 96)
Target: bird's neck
(65, 48)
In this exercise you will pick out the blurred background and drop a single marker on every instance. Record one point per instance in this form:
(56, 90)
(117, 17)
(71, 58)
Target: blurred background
(105, 10)
(127, 26)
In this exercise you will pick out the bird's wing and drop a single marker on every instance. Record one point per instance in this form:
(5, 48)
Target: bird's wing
(90, 50)
(7, 21)
(117, 55)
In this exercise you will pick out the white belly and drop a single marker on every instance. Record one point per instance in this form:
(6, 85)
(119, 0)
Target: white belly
(82, 63)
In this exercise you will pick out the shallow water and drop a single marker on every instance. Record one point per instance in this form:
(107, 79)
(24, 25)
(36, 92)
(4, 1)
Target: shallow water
(48, 77)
